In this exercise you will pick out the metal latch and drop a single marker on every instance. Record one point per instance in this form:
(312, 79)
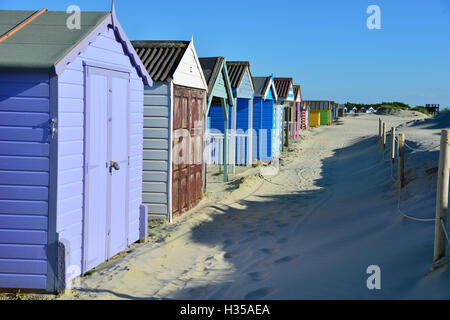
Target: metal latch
(53, 127)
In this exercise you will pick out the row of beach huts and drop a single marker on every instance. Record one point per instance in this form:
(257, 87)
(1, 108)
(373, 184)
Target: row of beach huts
(99, 133)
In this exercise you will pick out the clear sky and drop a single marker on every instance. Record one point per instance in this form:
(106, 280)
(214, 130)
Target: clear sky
(324, 45)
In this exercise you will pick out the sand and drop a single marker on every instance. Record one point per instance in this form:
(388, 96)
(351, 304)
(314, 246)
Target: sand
(309, 232)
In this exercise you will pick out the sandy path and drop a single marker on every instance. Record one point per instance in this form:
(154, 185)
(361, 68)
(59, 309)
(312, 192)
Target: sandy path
(308, 232)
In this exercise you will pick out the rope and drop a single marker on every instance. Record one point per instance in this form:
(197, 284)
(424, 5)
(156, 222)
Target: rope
(445, 231)
(417, 149)
(410, 217)
(399, 210)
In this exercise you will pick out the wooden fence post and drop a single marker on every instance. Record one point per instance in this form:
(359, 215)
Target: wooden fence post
(384, 135)
(392, 145)
(379, 129)
(442, 196)
(401, 159)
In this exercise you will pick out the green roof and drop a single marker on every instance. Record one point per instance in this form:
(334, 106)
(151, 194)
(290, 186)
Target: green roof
(44, 41)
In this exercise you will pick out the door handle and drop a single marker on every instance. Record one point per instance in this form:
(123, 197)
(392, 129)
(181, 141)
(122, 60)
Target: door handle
(113, 165)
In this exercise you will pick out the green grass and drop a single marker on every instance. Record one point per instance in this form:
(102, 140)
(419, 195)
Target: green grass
(90, 272)
(392, 107)
(19, 295)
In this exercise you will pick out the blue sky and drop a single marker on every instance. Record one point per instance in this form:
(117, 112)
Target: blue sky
(324, 44)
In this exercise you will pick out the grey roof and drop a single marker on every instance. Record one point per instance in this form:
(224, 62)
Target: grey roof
(282, 85)
(44, 41)
(318, 104)
(236, 71)
(261, 84)
(211, 68)
(160, 58)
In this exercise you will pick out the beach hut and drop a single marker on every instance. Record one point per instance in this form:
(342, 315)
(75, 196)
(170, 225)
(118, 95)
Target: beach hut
(304, 112)
(218, 105)
(296, 113)
(285, 93)
(320, 112)
(71, 104)
(174, 110)
(335, 108)
(242, 113)
(266, 120)
(341, 110)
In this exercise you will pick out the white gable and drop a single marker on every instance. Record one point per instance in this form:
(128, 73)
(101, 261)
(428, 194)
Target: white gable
(290, 94)
(189, 72)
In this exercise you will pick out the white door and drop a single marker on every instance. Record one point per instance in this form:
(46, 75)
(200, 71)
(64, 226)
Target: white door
(106, 165)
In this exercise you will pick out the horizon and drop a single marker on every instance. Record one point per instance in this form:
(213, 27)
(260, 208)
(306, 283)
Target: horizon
(336, 57)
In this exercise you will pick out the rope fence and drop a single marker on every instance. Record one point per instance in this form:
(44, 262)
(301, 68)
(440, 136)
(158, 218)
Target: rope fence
(403, 152)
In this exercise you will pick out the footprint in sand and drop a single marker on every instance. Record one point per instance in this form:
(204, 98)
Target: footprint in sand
(260, 293)
(285, 259)
(258, 276)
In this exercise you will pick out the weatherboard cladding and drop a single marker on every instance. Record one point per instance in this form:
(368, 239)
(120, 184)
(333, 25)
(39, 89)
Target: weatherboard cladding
(155, 191)
(71, 144)
(172, 64)
(24, 178)
(25, 100)
(245, 90)
(263, 119)
(160, 58)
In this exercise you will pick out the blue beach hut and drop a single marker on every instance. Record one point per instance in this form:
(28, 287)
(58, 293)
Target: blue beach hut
(266, 116)
(241, 123)
(71, 110)
(219, 103)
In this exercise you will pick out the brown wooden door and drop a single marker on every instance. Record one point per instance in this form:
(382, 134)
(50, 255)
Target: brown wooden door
(187, 147)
